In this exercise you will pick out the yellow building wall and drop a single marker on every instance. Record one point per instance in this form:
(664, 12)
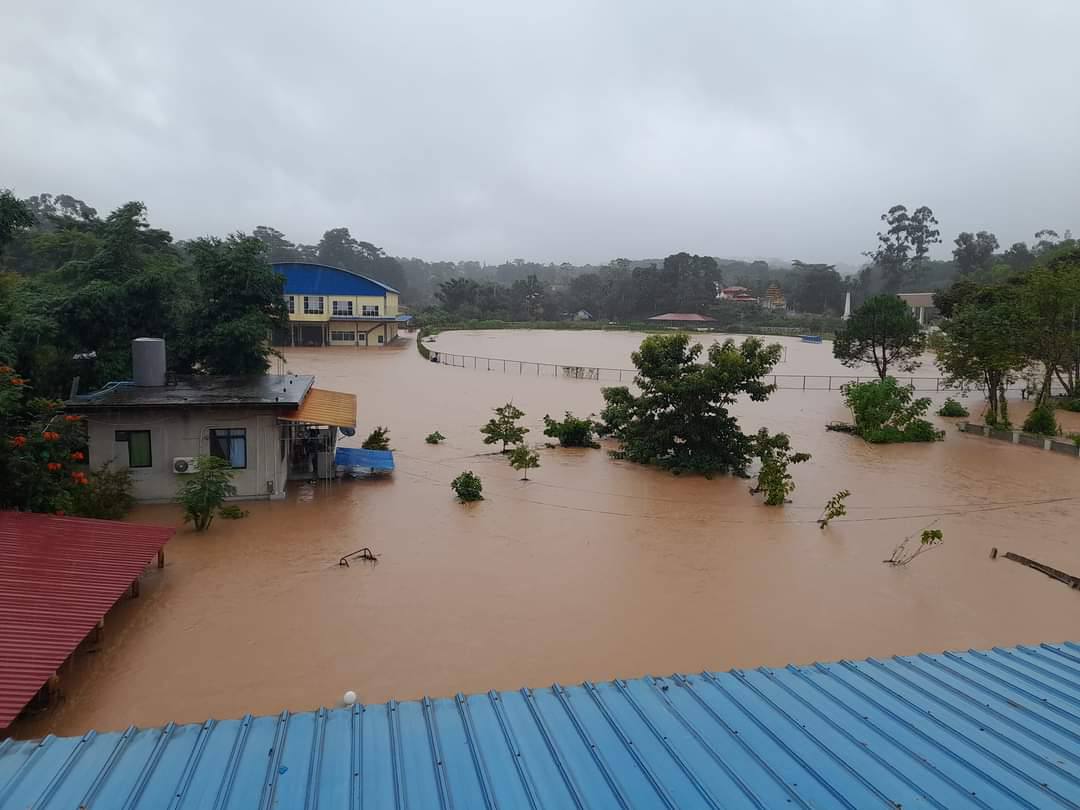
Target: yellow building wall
(387, 304)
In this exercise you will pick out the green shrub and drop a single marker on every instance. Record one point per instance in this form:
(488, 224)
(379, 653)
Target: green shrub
(107, 496)
(232, 512)
(1041, 421)
(378, 439)
(953, 408)
(886, 412)
(434, 438)
(205, 490)
(775, 455)
(572, 431)
(1075, 437)
(467, 487)
(1070, 405)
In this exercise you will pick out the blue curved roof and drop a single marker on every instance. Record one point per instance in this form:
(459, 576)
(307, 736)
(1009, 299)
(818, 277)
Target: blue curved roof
(307, 278)
(990, 730)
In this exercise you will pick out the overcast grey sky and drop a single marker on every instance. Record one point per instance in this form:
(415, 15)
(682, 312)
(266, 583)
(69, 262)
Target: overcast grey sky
(555, 130)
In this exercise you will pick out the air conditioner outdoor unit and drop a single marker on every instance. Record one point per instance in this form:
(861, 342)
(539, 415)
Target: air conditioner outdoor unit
(183, 465)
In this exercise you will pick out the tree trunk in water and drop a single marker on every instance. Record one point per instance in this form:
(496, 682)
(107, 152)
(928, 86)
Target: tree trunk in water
(1044, 392)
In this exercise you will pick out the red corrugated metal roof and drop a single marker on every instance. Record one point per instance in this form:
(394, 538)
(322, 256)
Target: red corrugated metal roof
(58, 578)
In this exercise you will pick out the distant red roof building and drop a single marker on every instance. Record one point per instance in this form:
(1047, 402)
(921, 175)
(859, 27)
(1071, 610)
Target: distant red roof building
(682, 317)
(58, 578)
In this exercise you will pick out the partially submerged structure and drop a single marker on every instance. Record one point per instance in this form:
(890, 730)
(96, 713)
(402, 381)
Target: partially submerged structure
(921, 303)
(682, 319)
(59, 576)
(268, 427)
(994, 729)
(329, 306)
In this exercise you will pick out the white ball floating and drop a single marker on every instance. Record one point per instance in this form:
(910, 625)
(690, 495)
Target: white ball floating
(350, 698)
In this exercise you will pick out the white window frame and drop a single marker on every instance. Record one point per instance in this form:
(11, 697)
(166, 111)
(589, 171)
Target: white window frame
(290, 303)
(345, 305)
(366, 310)
(310, 310)
(350, 339)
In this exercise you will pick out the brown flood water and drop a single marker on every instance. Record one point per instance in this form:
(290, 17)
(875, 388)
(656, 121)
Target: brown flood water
(596, 569)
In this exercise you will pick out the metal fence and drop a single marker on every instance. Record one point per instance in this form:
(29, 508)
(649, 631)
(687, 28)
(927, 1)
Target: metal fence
(804, 382)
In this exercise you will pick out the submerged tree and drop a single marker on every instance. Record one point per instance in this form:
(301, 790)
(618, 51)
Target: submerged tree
(887, 412)
(775, 454)
(928, 539)
(680, 421)
(467, 487)
(883, 332)
(835, 507)
(378, 439)
(503, 427)
(523, 459)
(572, 431)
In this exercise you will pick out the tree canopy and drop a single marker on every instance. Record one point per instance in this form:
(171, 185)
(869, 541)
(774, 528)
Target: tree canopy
(681, 420)
(883, 332)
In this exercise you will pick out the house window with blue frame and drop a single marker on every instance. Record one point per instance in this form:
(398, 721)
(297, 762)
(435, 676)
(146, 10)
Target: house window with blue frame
(231, 445)
(370, 310)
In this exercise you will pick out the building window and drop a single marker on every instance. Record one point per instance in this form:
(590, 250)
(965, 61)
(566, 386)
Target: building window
(349, 336)
(313, 305)
(231, 445)
(343, 308)
(138, 447)
(290, 302)
(370, 311)
(361, 337)
(382, 338)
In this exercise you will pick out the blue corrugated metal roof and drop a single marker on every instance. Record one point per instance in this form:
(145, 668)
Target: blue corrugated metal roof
(995, 729)
(306, 278)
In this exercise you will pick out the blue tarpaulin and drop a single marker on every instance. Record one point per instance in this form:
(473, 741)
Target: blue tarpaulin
(379, 460)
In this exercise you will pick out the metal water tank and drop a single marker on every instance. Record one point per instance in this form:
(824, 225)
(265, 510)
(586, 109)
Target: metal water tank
(148, 362)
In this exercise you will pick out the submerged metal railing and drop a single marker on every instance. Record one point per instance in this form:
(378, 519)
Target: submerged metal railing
(804, 382)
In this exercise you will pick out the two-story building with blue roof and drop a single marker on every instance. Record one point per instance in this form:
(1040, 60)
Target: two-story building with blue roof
(329, 306)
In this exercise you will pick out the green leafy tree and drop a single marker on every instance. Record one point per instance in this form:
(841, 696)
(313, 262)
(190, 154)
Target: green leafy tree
(15, 215)
(817, 288)
(886, 412)
(523, 459)
(835, 507)
(204, 491)
(1050, 298)
(775, 454)
(883, 332)
(504, 426)
(242, 301)
(681, 419)
(974, 252)
(108, 495)
(434, 438)
(378, 439)
(983, 343)
(467, 487)
(904, 244)
(572, 431)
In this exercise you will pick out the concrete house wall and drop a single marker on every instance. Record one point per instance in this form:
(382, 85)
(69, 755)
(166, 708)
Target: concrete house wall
(185, 432)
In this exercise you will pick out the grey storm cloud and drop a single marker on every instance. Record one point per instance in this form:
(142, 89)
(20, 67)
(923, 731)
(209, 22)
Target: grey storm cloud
(552, 130)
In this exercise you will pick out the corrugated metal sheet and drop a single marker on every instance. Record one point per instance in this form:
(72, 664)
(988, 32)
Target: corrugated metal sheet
(58, 578)
(995, 729)
(322, 407)
(321, 279)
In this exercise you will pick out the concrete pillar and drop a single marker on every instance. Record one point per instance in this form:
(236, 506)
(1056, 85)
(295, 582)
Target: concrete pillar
(1016, 437)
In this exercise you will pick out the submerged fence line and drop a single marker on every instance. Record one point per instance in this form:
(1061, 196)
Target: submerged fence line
(804, 382)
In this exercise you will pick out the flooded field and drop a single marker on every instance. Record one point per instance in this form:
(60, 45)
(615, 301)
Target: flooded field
(595, 569)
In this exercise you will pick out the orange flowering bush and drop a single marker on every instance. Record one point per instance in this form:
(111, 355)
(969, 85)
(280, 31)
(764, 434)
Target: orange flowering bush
(78, 455)
(53, 466)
